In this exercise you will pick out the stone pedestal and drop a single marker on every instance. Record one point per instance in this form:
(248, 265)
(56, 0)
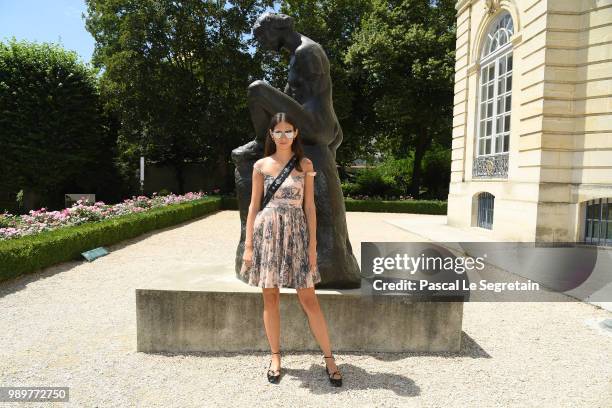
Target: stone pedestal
(210, 310)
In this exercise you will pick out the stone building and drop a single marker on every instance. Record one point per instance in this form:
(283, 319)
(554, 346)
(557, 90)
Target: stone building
(532, 126)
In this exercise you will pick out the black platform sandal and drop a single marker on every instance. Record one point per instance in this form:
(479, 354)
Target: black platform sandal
(273, 378)
(336, 382)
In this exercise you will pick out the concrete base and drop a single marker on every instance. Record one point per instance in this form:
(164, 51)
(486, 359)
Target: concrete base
(209, 309)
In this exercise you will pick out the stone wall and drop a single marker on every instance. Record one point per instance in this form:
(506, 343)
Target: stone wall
(561, 126)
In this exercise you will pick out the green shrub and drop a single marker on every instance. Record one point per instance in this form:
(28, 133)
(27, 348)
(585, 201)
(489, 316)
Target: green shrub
(30, 253)
(436, 172)
(390, 178)
(398, 170)
(401, 206)
(4, 222)
(374, 182)
(229, 202)
(54, 137)
(349, 188)
(33, 252)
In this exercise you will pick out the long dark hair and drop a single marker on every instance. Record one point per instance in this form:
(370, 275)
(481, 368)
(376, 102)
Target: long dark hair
(296, 146)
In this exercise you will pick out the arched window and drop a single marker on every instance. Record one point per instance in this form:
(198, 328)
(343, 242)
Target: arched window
(486, 204)
(495, 91)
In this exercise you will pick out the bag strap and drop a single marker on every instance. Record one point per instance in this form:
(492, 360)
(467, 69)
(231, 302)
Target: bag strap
(279, 180)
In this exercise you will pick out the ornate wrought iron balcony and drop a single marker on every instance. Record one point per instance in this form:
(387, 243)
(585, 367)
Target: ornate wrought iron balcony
(492, 166)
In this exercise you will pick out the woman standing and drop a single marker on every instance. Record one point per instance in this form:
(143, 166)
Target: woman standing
(280, 246)
(307, 97)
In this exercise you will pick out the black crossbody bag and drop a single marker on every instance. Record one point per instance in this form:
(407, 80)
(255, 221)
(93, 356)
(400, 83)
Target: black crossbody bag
(278, 181)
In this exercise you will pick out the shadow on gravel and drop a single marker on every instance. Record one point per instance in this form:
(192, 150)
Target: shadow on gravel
(315, 378)
(354, 378)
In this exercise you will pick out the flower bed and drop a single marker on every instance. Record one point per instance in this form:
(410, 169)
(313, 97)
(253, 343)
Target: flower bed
(32, 252)
(44, 238)
(13, 226)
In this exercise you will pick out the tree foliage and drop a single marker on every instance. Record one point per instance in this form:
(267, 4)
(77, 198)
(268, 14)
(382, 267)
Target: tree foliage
(333, 23)
(406, 48)
(176, 74)
(53, 134)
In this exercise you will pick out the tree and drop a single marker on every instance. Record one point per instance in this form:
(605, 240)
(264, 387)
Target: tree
(407, 50)
(52, 130)
(176, 74)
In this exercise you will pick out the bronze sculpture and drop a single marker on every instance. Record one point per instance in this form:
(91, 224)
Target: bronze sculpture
(308, 98)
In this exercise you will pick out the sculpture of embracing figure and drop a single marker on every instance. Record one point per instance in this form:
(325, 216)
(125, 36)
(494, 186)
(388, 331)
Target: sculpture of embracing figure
(308, 98)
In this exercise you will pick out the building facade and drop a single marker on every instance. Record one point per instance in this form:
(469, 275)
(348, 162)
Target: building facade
(532, 126)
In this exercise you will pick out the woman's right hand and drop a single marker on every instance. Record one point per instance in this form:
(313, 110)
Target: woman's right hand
(248, 256)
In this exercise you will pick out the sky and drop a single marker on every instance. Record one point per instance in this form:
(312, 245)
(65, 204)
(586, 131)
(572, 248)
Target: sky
(57, 21)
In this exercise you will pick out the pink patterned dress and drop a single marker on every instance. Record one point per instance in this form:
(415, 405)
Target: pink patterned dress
(280, 239)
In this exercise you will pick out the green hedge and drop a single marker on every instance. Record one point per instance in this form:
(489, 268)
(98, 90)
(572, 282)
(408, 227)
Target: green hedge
(30, 253)
(229, 203)
(400, 206)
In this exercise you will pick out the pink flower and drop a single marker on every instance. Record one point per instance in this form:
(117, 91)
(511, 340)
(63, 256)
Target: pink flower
(42, 220)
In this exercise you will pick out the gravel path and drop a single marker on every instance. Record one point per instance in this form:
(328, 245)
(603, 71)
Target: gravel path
(75, 325)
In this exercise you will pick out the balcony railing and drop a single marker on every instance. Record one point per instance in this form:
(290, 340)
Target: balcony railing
(491, 166)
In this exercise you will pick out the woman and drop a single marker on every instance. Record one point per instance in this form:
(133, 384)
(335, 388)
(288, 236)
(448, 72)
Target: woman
(280, 245)
(307, 97)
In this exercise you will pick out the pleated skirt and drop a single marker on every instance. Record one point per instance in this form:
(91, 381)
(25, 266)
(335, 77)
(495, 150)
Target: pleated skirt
(280, 250)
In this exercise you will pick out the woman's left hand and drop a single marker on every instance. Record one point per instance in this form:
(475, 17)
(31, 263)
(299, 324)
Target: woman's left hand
(312, 257)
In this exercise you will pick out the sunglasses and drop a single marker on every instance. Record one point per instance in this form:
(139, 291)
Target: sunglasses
(290, 134)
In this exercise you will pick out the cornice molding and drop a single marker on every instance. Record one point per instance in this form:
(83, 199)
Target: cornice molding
(491, 6)
(461, 5)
